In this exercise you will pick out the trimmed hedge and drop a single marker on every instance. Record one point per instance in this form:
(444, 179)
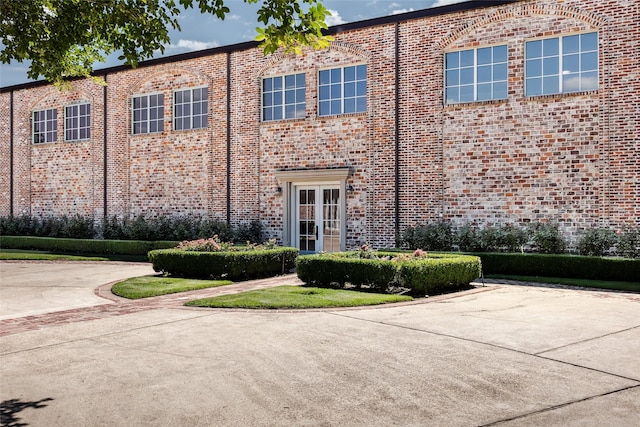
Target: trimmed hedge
(435, 274)
(234, 265)
(578, 267)
(87, 246)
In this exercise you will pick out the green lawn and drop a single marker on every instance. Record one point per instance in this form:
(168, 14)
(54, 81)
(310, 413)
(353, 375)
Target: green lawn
(151, 286)
(287, 296)
(32, 255)
(22, 255)
(600, 284)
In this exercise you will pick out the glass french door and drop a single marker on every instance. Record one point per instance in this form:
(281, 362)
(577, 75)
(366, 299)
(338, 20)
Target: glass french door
(318, 222)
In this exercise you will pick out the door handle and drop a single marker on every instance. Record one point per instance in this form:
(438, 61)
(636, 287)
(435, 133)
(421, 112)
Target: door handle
(316, 232)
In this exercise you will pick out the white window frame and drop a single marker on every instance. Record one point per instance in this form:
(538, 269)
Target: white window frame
(204, 115)
(297, 101)
(342, 97)
(159, 119)
(72, 132)
(53, 132)
(492, 82)
(561, 65)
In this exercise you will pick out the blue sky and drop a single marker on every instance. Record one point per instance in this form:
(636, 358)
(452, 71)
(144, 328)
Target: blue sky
(206, 31)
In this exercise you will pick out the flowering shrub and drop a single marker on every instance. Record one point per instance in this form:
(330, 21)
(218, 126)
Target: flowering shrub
(214, 244)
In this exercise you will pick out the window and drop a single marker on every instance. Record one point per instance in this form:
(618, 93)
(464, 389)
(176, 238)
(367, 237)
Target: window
(561, 64)
(343, 90)
(283, 97)
(190, 108)
(148, 114)
(77, 122)
(476, 75)
(45, 126)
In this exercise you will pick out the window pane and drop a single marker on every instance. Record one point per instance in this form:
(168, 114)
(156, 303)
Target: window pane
(570, 44)
(452, 95)
(589, 80)
(186, 96)
(571, 83)
(571, 64)
(290, 111)
(500, 72)
(197, 122)
(336, 91)
(178, 97)
(453, 77)
(361, 88)
(336, 75)
(534, 68)
(484, 56)
(534, 49)
(336, 107)
(196, 95)
(196, 109)
(500, 53)
(277, 83)
(289, 97)
(268, 99)
(484, 74)
(136, 103)
(300, 111)
(324, 77)
(550, 47)
(466, 58)
(466, 76)
(500, 90)
(589, 41)
(350, 105)
(277, 98)
(466, 93)
(452, 60)
(550, 66)
(153, 127)
(589, 61)
(325, 92)
(361, 104)
(349, 74)
(324, 108)
(277, 113)
(300, 78)
(534, 87)
(267, 114)
(550, 85)
(349, 89)
(290, 82)
(484, 92)
(361, 72)
(300, 95)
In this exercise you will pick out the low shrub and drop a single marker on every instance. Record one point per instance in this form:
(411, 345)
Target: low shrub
(175, 228)
(553, 265)
(233, 265)
(629, 243)
(75, 226)
(597, 242)
(84, 246)
(419, 272)
(546, 238)
(436, 236)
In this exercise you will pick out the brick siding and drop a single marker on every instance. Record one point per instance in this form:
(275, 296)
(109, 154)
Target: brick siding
(570, 159)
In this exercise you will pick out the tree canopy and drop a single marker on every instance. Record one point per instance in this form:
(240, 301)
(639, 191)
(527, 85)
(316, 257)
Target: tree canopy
(64, 38)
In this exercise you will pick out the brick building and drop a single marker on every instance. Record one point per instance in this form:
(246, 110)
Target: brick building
(488, 111)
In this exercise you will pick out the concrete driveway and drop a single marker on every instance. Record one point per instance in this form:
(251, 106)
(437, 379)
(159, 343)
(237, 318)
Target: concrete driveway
(499, 355)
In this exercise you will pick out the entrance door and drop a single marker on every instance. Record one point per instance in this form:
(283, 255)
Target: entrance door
(318, 222)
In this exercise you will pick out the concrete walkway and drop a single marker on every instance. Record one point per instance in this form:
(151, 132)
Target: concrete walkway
(498, 355)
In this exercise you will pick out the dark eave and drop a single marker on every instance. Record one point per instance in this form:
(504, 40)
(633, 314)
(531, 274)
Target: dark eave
(336, 29)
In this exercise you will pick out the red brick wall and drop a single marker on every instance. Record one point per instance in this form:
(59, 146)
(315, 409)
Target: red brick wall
(5, 152)
(570, 159)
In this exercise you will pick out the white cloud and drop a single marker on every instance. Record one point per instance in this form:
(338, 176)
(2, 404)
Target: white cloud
(438, 3)
(190, 45)
(399, 11)
(334, 18)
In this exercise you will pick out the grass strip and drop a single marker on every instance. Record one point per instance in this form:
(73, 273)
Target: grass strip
(45, 256)
(287, 296)
(598, 284)
(152, 286)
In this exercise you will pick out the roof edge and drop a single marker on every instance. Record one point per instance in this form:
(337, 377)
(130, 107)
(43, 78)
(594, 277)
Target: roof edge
(237, 47)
